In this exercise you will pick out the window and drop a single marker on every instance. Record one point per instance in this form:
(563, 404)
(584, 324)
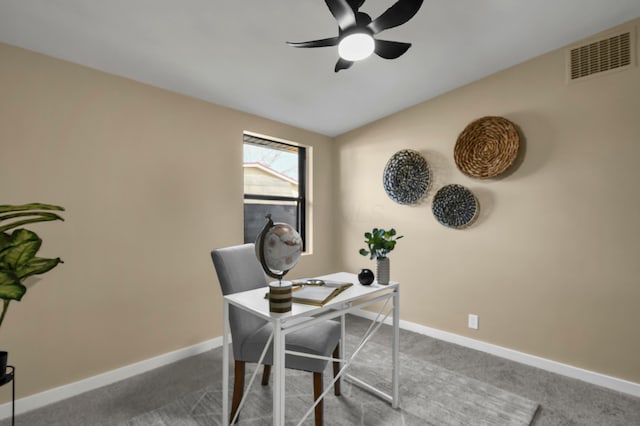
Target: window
(274, 182)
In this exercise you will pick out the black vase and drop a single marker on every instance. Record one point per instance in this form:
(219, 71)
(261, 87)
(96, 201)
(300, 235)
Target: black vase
(365, 276)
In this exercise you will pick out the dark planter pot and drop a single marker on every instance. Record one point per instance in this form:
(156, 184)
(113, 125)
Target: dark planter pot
(3, 363)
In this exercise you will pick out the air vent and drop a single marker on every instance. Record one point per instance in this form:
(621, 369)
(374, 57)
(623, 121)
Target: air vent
(612, 53)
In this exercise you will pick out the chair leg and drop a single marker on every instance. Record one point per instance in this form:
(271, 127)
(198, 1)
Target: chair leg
(336, 370)
(238, 387)
(318, 387)
(265, 375)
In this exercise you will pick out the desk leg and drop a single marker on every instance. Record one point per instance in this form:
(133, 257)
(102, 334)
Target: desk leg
(225, 363)
(396, 348)
(279, 382)
(343, 333)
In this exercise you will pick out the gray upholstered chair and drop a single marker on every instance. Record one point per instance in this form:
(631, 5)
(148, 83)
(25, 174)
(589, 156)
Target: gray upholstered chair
(238, 270)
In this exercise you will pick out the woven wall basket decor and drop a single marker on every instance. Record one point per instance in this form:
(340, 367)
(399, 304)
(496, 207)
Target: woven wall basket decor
(406, 177)
(455, 206)
(486, 147)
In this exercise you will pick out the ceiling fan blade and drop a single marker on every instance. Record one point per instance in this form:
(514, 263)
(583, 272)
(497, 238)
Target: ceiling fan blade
(316, 43)
(342, 11)
(398, 14)
(390, 49)
(342, 64)
(355, 4)
(362, 19)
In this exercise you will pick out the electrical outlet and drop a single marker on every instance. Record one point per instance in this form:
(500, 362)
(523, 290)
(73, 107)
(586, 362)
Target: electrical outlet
(473, 321)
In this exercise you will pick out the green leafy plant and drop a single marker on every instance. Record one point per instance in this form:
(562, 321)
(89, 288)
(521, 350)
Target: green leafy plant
(18, 249)
(379, 243)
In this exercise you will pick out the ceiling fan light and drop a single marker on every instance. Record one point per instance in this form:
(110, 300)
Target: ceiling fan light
(356, 47)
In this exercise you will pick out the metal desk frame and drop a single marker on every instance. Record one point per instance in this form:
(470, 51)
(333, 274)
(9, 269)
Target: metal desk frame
(302, 315)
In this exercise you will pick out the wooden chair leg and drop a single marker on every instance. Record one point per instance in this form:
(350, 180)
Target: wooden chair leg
(336, 370)
(238, 387)
(265, 375)
(318, 387)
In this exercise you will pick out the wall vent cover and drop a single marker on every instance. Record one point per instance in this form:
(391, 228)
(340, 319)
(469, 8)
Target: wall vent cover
(613, 53)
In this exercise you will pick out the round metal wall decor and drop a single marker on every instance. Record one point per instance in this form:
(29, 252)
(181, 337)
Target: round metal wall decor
(406, 177)
(455, 206)
(487, 147)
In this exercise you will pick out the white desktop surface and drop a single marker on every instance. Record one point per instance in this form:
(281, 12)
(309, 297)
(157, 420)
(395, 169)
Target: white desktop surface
(255, 301)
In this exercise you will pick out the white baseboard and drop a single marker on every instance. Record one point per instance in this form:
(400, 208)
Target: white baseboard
(72, 389)
(592, 377)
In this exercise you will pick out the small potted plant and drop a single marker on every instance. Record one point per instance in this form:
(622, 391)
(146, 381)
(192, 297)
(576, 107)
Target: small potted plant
(379, 243)
(18, 250)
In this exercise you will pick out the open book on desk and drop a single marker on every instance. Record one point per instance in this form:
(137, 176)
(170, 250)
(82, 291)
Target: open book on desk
(317, 292)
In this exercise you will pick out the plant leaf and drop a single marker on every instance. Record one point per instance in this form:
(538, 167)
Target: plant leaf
(31, 206)
(19, 255)
(23, 214)
(24, 210)
(10, 286)
(36, 266)
(41, 217)
(23, 246)
(5, 239)
(380, 242)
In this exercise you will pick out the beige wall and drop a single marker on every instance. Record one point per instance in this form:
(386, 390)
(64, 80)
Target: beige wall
(151, 181)
(551, 265)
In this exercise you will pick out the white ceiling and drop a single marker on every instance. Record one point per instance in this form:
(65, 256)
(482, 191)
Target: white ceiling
(233, 52)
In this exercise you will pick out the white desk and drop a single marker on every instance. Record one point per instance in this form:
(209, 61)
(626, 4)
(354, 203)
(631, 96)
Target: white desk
(302, 315)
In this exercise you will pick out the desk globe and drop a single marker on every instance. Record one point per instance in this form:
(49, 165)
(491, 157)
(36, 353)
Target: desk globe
(278, 248)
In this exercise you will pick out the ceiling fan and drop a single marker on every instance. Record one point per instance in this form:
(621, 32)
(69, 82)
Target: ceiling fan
(356, 31)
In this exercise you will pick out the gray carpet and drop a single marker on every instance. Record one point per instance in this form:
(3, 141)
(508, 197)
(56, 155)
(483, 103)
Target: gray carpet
(563, 401)
(429, 395)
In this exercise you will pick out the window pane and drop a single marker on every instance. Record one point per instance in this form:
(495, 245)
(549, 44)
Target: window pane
(269, 171)
(255, 212)
(260, 179)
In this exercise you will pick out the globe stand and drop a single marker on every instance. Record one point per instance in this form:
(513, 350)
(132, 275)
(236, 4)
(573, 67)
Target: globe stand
(280, 296)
